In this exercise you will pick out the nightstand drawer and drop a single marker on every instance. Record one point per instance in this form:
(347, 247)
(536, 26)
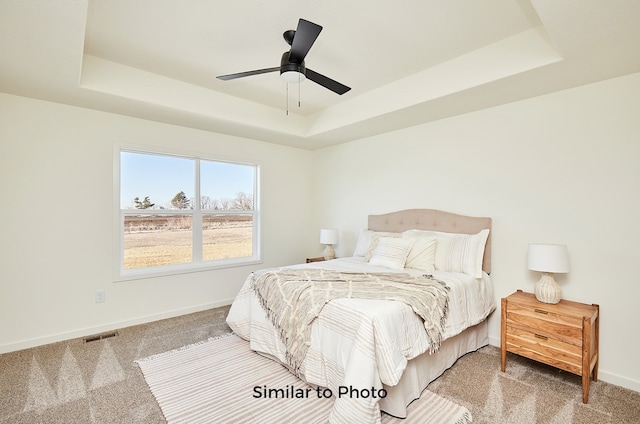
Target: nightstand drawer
(544, 349)
(545, 323)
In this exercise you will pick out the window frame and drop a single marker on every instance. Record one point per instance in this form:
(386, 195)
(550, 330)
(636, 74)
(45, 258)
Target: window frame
(197, 264)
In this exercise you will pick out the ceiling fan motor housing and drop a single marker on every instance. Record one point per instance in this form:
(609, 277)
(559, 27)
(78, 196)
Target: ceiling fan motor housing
(287, 66)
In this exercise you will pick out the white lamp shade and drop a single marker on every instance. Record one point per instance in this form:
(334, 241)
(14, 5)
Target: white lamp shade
(328, 236)
(552, 258)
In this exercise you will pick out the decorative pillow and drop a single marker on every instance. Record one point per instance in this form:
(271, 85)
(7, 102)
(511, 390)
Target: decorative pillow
(423, 252)
(374, 242)
(391, 252)
(461, 252)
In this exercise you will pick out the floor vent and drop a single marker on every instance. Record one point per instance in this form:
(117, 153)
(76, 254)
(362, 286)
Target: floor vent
(100, 336)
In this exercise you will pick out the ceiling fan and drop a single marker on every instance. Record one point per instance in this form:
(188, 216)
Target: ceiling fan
(292, 67)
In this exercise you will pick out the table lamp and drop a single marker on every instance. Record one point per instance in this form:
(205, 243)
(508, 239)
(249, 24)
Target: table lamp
(548, 259)
(329, 237)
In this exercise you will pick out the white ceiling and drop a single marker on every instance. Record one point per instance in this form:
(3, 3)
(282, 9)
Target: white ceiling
(407, 62)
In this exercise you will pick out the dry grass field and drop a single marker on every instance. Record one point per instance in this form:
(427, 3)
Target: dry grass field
(154, 244)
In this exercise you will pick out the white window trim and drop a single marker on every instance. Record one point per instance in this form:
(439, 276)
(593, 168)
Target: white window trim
(198, 265)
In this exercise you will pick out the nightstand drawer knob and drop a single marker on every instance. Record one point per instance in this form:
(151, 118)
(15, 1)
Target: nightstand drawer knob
(539, 336)
(540, 311)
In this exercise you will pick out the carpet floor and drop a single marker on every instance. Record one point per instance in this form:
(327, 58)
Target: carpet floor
(99, 382)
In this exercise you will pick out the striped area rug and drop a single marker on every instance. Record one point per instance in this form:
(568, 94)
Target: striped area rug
(222, 381)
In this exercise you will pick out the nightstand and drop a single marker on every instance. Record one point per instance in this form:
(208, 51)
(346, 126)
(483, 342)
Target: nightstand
(318, 259)
(563, 335)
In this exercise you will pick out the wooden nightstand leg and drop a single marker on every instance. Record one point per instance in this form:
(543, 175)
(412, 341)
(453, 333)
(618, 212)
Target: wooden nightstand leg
(585, 387)
(596, 334)
(503, 336)
(586, 358)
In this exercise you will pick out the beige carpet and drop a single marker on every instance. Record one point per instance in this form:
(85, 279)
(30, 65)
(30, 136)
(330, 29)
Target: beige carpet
(531, 393)
(223, 381)
(98, 382)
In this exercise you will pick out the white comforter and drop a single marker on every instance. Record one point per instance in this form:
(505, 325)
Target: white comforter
(358, 345)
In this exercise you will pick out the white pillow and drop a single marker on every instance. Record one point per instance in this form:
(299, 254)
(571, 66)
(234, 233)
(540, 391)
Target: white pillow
(391, 252)
(420, 233)
(364, 240)
(368, 240)
(461, 252)
(423, 252)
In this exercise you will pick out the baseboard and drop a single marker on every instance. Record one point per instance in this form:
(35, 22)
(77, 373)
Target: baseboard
(604, 375)
(68, 335)
(493, 341)
(618, 380)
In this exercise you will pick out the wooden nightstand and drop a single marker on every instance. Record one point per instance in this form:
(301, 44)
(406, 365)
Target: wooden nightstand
(563, 335)
(318, 259)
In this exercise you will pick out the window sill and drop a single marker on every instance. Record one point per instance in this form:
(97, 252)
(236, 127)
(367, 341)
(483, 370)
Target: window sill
(141, 274)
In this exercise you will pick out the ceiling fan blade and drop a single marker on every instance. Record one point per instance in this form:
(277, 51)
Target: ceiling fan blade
(327, 82)
(303, 39)
(247, 74)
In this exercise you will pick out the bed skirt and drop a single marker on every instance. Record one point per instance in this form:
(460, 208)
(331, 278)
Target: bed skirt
(427, 367)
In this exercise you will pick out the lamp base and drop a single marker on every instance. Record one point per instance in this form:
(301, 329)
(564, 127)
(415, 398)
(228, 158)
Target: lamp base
(329, 253)
(547, 290)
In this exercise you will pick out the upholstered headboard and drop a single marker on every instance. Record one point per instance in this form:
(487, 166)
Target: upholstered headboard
(434, 220)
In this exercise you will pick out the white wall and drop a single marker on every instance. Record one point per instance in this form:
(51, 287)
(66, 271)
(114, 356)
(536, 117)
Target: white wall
(56, 215)
(561, 168)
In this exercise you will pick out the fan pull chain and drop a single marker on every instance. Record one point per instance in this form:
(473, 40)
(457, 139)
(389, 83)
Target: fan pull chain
(299, 84)
(299, 94)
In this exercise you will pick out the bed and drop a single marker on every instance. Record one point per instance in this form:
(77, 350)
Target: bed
(375, 354)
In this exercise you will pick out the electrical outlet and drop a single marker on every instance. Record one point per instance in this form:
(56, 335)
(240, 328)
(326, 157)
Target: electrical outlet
(100, 296)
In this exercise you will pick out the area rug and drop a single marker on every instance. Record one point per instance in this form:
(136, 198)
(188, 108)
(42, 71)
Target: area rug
(221, 380)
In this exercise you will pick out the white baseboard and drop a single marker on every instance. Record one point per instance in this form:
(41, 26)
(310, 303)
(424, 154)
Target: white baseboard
(494, 341)
(603, 375)
(68, 335)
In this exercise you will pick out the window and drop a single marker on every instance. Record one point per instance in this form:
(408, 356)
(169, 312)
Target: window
(184, 213)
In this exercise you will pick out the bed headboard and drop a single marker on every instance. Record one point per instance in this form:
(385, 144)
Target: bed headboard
(431, 219)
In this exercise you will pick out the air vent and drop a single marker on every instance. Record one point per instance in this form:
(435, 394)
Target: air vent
(96, 337)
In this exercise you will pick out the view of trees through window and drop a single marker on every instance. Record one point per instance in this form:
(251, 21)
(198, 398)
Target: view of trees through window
(178, 210)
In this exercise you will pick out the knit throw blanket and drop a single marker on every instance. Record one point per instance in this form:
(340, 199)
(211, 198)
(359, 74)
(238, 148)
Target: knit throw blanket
(293, 298)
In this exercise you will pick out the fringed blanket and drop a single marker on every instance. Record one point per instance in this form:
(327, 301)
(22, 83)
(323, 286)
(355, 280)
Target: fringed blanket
(293, 298)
